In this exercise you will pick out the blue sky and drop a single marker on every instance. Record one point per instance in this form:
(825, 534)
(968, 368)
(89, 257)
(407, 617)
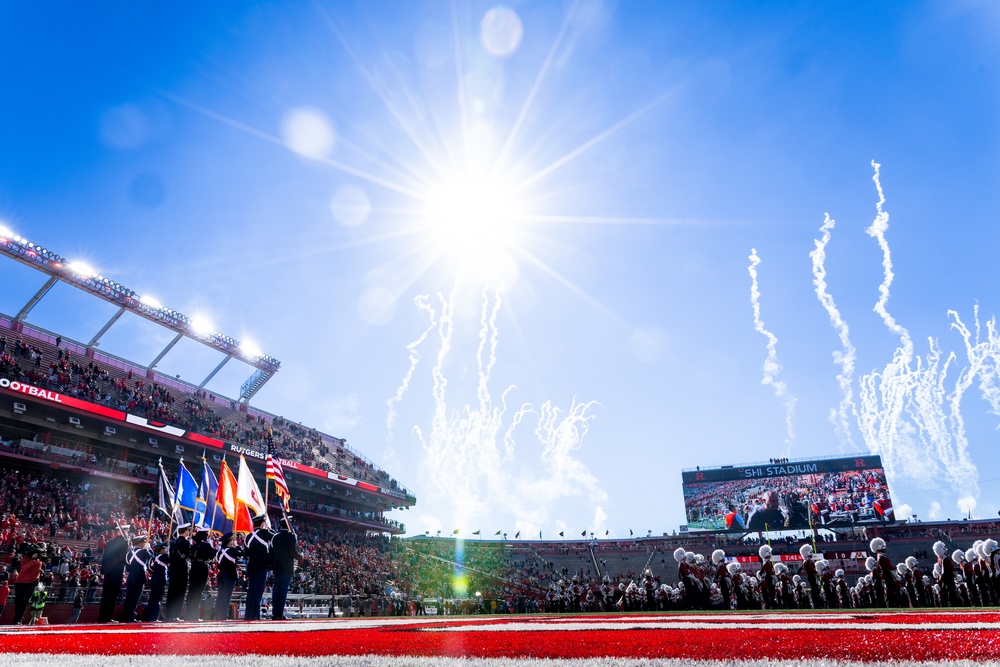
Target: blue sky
(312, 176)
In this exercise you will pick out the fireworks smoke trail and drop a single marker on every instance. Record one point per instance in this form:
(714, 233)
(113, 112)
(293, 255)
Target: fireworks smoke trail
(469, 473)
(414, 358)
(984, 356)
(771, 365)
(907, 414)
(885, 394)
(877, 231)
(846, 356)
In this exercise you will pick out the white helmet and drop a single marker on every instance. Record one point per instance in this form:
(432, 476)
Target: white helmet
(870, 563)
(733, 568)
(780, 568)
(938, 570)
(990, 546)
(679, 554)
(940, 549)
(911, 562)
(971, 555)
(806, 551)
(958, 556)
(839, 574)
(699, 559)
(764, 551)
(689, 556)
(876, 545)
(901, 568)
(796, 579)
(822, 564)
(718, 556)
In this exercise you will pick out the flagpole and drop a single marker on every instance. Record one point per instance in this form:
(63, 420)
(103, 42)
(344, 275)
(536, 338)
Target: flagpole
(204, 464)
(159, 465)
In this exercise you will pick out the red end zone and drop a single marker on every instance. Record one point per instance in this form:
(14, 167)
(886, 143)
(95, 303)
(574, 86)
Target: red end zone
(861, 636)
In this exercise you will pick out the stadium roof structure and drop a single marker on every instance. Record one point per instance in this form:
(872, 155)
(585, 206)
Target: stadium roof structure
(85, 278)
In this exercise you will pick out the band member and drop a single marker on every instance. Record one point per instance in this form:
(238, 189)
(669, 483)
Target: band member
(826, 580)
(608, 594)
(158, 565)
(766, 576)
(884, 565)
(202, 553)
(722, 578)
(812, 576)
(229, 553)
(258, 551)
(919, 593)
(135, 560)
(786, 596)
(177, 573)
(983, 574)
(742, 601)
(843, 592)
(949, 587)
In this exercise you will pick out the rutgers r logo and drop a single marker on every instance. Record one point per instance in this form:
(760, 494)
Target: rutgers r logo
(699, 476)
(859, 463)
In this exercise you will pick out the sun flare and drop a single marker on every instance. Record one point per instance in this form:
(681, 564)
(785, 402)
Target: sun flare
(475, 222)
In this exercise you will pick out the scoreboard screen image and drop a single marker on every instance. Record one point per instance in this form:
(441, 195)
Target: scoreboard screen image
(791, 495)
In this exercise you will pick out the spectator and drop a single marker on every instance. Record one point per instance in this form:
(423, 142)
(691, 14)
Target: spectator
(38, 598)
(26, 581)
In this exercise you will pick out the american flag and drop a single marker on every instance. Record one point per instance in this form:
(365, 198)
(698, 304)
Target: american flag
(275, 472)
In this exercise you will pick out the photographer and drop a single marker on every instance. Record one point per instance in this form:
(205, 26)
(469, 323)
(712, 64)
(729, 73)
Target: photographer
(26, 581)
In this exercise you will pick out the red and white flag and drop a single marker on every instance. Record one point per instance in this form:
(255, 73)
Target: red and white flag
(275, 472)
(248, 493)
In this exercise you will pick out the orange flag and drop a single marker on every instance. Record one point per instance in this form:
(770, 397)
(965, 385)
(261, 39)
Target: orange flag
(226, 499)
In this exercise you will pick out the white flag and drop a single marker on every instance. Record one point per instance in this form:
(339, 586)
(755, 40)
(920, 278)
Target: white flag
(249, 494)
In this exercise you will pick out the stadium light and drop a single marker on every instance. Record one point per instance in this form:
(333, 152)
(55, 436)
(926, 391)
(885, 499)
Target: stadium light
(200, 325)
(81, 268)
(151, 302)
(249, 348)
(5, 232)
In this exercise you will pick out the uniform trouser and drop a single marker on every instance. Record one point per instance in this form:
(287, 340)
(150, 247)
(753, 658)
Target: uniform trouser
(156, 588)
(279, 594)
(109, 598)
(133, 591)
(176, 588)
(256, 581)
(22, 596)
(226, 585)
(196, 586)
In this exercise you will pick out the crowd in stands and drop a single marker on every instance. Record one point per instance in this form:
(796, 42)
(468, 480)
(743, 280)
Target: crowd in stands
(69, 375)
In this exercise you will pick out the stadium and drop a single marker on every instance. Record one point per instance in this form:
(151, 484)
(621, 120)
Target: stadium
(379, 333)
(93, 446)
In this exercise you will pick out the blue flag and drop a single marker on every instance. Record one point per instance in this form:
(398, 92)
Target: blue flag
(186, 493)
(207, 513)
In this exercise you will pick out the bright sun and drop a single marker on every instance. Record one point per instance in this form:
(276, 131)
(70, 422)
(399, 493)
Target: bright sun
(474, 221)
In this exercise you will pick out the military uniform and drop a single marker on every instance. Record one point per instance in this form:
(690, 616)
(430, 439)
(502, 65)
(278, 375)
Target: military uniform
(135, 562)
(258, 551)
(157, 582)
(177, 574)
(201, 554)
(227, 558)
